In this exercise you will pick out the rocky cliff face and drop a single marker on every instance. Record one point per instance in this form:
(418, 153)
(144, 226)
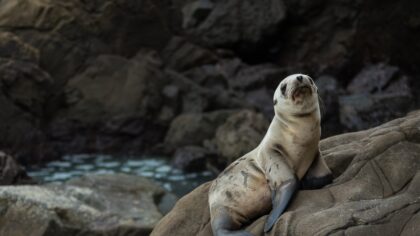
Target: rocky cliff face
(117, 75)
(375, 190)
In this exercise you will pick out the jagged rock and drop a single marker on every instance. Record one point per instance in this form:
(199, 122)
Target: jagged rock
(225, 134)
(193, 95)
(362, 110)
(26, 85)
(182, 55)
(262, 100)
(319, 35)
(210, 76)
(91, 205)
(250, 77)
(374, 79)
(253, 84)
(241, 132)
(117, 114)
(192, 158)
(24, 94)
(194, 128)
(258, 83)
(11, 172)
(216, 23)
(262, 41)
(375, 191)
(12, 47)
(329, 91)
(137, 91)
(379, 93)
(67, 33)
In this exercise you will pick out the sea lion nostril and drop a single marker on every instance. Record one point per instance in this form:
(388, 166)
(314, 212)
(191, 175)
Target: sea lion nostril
(299, 78)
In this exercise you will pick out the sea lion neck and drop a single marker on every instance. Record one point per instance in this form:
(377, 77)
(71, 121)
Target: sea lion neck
(291, 130)
(296, 120)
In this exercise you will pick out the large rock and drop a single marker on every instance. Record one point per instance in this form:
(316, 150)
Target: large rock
(20, 85)
(200, 89)
(111, 106)
(241, 132)
(11, 46)
(181, 55)
(252, 85)
(69, 32)
(191, 158)
(329, 91)
(378, 93)
(225, 134)
(216, 23)
(92, 205)
(375, 78)
(11, 172)
(375, 191)
(24, 94)
(194, 129)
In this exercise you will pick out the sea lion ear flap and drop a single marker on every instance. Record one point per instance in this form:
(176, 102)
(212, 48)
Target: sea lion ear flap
(275, 102)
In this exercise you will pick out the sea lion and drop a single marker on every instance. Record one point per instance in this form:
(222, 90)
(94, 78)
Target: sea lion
(267, 177)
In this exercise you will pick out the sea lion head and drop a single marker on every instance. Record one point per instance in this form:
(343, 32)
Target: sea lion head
(297, 95)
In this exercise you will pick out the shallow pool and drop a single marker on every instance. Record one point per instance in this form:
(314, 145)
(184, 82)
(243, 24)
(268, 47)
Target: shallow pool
(155, 168)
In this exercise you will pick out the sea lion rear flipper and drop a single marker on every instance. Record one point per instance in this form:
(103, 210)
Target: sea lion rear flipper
(281, 198)
(224, 224)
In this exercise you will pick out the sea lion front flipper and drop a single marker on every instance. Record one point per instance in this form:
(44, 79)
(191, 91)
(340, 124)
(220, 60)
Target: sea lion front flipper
(281, 198)
(318, 174)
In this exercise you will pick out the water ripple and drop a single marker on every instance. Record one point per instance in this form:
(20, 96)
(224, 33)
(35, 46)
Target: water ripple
(155, 168)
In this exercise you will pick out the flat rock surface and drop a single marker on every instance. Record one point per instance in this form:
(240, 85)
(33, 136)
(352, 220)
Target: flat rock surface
(375, 190)
(91, 205)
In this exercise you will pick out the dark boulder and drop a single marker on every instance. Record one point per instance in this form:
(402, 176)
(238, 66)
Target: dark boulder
(194, 128)
(111, 106)
(11, 173)
(378, 93)
(241, 132)
(24, 94)
(67, 33)
(193, 158)
(222, 23)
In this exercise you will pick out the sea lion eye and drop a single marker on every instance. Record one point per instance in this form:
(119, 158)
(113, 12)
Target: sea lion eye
(283, 89)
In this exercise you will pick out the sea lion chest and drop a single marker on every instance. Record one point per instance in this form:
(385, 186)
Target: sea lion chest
(300, 143)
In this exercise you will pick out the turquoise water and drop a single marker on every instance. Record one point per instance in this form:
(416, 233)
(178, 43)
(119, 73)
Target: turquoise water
(154, 168)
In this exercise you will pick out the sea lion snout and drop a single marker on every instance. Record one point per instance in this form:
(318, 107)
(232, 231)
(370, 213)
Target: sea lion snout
(301, 92)
(302, 88)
